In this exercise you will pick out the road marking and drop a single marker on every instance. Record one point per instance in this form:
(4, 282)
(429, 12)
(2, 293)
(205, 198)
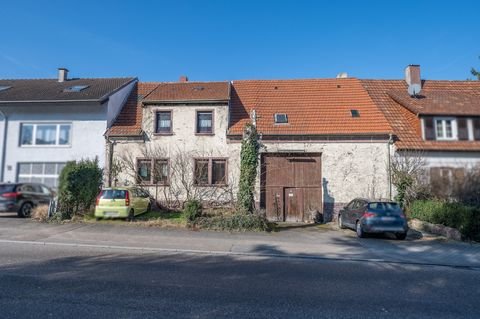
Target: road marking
(230, 253)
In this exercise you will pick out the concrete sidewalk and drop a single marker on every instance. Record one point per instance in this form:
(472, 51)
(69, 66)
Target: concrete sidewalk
(303, 241)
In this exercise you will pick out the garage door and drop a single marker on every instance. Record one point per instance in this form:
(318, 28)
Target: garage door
(291, 186)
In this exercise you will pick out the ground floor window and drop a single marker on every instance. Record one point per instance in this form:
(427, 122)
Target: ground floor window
(210, 171)
(152, 171)
(45, 173)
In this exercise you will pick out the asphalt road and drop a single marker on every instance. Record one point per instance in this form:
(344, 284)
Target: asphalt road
(78, 282)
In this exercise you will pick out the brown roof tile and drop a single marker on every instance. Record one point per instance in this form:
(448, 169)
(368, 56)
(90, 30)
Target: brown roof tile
(441, 97)
(129, 121)
(190, 91)
(313, 107)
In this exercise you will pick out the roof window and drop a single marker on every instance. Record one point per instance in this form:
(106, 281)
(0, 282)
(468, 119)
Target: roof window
(280, 118)
(355, 113)
(4, 87)
(76, 88)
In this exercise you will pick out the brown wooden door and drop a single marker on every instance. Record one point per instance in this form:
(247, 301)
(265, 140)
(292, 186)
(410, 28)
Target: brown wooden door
(274, 203)
(293, 204)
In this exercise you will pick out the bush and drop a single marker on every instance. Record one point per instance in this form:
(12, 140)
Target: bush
(462, 217)
(78, 187)
(40, 213)
(192, 210)
(235, 222)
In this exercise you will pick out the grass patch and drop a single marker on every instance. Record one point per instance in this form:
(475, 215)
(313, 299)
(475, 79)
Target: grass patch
(156, 218)
(233, 222)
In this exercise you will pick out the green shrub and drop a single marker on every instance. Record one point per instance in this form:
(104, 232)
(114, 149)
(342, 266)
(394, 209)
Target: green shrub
(248, 168)
(192, 210)
(457, 215)
(235, 222)
(79, 184)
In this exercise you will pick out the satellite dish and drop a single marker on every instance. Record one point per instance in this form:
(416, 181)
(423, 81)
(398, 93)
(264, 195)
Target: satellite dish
(414, 89)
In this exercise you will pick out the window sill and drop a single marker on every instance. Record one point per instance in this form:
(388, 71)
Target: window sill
(153, 185)
(46, 146)
(204, 134)
(210, 185)
(163, 134)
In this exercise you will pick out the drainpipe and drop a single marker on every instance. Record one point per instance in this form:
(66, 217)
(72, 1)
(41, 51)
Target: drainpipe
(4, 145)
(110, 161)
(390, 142)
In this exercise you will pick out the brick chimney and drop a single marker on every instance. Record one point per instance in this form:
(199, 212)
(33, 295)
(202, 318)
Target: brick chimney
(183, 79)
(62, 74)
(412, 75)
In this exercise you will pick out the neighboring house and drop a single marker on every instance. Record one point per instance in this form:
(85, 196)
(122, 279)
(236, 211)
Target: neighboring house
(440, 121)
(324, 143)
(47, 122)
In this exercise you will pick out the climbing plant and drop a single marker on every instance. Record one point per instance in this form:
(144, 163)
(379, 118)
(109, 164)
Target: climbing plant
(248, 168)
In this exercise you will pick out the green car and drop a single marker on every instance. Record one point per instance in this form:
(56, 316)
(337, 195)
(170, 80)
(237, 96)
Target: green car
(122, 202)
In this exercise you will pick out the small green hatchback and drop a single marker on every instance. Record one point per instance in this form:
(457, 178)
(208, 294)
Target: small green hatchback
(122, 202)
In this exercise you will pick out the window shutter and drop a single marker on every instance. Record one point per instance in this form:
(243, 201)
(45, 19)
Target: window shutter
(429, 128)
(476, 128)
(462, 129)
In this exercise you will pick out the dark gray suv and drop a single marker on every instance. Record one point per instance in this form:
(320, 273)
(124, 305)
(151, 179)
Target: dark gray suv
(22, 197)
(374, 216)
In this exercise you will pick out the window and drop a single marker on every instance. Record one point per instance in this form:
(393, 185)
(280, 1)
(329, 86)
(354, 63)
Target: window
(163, 122)
(445, 129)
(45, 134)
(4, 87)
(76, 88)
(355, 113)
(210, 171)
(204, 122)
(152, 171)
(45, 173)
(280, 118)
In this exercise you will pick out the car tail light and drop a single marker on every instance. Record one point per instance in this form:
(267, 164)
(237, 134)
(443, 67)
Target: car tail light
(98, 198)
(369, 214)
(11, 195)
(127, 199)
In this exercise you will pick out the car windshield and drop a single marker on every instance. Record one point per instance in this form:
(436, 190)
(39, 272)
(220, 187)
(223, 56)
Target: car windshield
(6, 188)
(384, 207)
(113, 194)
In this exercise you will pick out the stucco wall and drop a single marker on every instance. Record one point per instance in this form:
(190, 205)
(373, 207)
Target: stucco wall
(87, 141)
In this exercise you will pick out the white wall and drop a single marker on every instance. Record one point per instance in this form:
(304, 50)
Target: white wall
(87, 140)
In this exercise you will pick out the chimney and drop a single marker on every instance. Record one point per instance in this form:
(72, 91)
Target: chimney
(62, 74)
(412, 75)
(183, 79)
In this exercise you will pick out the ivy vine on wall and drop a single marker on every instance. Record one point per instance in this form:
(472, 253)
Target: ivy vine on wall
(248, 168)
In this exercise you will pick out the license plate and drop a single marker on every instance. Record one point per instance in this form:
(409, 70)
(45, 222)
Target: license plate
(387, 219)
(110, 214)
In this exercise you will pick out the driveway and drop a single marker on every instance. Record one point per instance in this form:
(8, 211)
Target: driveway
(292, 241)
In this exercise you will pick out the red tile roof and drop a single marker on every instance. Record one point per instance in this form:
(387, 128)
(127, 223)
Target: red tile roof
(190, 91)
(129, 121)
(313, 107)
(440, 97)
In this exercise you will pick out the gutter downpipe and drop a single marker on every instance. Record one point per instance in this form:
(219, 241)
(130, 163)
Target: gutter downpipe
(389, 143)
(4, 145)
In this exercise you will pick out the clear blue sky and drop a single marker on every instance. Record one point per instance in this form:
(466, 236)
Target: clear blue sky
(227, 40)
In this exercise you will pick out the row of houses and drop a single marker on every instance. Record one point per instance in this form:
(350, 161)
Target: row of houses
(324, 141)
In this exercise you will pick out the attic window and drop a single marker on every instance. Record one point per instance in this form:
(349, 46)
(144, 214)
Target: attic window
(355, 113)
(280, 118)
(76, 88)
(4, 87)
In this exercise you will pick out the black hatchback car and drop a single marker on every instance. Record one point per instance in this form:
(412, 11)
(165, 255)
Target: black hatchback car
(22, 197)
(374, 216)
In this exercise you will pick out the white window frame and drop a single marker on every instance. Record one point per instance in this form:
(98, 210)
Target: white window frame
(57, 134)
(454, 128)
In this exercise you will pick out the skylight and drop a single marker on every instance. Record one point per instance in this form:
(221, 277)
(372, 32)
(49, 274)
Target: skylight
(76, 88)
(4, 87)
(280, 118)
(355, 113)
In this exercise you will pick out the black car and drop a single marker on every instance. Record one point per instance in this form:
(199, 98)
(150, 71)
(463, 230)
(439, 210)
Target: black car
(22, 197)
(374, 216)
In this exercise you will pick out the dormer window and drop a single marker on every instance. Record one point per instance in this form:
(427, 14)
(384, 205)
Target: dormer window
(280, 118)
(445, 128)
(76, 88)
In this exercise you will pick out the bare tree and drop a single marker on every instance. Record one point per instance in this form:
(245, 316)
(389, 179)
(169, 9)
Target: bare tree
(409, 176)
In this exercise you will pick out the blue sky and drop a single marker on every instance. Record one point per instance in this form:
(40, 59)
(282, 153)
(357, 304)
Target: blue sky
(228, 40)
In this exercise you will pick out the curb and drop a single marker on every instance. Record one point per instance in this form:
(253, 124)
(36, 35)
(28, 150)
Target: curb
(231, 253)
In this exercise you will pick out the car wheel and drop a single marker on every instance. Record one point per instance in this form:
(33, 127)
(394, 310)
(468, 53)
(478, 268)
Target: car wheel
(149, 207)
(340, 222)
(25, 210)
(131, 215)
(401, 236)
(359, 230)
